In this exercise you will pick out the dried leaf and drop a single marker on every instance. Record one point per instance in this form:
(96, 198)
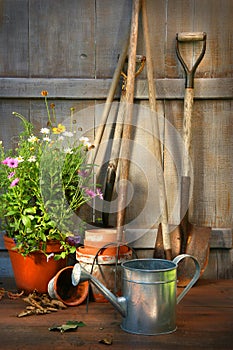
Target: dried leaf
(106, 341)
(14, 295)
(26, 313)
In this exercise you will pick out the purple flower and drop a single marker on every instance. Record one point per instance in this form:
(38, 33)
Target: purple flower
(11, 175)
(83, 173)
(73, 240)
(14, 182)
(90, 193)
(11, 162)
(5, 161)
(99, 193)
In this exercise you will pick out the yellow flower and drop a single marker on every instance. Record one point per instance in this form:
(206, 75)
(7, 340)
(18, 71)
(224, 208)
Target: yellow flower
(60, 128)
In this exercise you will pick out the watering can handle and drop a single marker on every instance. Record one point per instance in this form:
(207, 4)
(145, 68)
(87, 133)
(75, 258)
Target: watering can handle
(176, 260)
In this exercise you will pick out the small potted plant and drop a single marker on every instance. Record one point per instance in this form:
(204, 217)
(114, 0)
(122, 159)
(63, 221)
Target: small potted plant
(44, 182)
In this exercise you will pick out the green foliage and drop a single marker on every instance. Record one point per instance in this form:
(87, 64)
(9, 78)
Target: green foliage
(43, 182)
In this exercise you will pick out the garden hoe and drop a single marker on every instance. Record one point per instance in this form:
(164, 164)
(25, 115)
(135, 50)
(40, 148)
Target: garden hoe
(194, 239)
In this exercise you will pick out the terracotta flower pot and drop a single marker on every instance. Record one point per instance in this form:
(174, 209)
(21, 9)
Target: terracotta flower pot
(61, 288)
(34, 271)
(104, 269)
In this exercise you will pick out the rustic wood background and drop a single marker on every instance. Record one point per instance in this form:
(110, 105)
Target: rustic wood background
(70, 48)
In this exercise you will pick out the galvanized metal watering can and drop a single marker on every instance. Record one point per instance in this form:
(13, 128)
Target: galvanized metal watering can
(148, 304)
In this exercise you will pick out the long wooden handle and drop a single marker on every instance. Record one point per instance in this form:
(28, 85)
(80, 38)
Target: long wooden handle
(149, 61)
(157, 144)
(187, 128)
(125, 149)
(110, 97)
(186, 179)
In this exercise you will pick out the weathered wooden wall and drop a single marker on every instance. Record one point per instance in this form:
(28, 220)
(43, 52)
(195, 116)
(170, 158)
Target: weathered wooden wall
(70, 48)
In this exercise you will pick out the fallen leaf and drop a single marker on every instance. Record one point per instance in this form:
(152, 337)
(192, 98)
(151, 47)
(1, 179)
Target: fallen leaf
(14, 295)
(106, 341)
(68, 326)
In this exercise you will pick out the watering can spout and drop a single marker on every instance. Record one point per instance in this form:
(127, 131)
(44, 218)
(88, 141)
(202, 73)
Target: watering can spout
(80, 275)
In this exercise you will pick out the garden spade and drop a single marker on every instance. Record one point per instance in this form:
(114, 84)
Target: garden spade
(194, 239)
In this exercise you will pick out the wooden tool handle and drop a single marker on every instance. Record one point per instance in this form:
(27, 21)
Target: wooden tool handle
(157, 144)
(111, 93)
(125, 150)
(189, 73)
(191, 36)
(187, 123)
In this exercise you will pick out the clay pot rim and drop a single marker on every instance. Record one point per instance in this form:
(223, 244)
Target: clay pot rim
(76, 302)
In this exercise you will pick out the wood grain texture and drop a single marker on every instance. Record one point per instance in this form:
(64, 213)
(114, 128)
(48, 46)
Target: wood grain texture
(14, 38)
(212, 150)
(70, 48)
(204, 321)
(62, 41)
(168, 89)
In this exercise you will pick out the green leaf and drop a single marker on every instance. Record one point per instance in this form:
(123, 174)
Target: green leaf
(26, 221)
(30, 210)
(11, 212)
(69, 326)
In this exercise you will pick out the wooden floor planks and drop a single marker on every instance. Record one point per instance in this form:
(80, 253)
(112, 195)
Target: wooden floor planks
(204, 321)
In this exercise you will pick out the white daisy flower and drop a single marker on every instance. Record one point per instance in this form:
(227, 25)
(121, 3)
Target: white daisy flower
(20, 159)
(68, 133)
(32, 159)
(33, 139)
(84, 139)
(45, 131)
(47, 139)
(68, 150)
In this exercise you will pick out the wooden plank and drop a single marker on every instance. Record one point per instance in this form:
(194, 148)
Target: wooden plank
(10, 124)
(196, 322)
(98, 88)
(220, 264)
(111, 31)
(221, 238)
(214, 17)
(179, 19)
(211, 159)
(35, 111)
(157, 17)
(14, 38)
(211, 154)
(62, 40)
(198, 15)
(112, 28)
(83, 115)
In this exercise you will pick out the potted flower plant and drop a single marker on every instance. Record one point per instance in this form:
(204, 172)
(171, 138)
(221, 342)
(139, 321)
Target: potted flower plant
(44, 182)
